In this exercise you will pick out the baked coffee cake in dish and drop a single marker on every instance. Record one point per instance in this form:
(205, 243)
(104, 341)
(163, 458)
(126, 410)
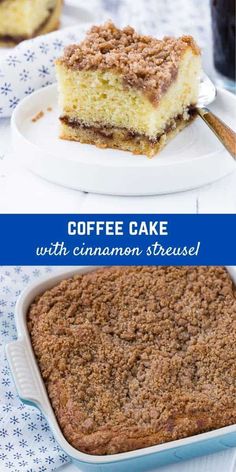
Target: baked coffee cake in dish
(24, 19)
(118, 89)
(137, 356)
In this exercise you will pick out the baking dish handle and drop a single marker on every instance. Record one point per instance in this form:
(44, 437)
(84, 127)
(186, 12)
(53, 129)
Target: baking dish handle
(24, 376)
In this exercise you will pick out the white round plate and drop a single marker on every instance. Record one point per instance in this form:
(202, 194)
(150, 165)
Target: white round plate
(192, 159)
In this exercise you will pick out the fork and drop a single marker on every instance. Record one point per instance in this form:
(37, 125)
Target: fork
(224, 133)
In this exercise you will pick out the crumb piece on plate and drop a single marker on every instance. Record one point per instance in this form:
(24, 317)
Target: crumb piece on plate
(37, 117)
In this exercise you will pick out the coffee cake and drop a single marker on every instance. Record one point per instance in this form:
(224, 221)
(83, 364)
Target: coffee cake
(137, 356)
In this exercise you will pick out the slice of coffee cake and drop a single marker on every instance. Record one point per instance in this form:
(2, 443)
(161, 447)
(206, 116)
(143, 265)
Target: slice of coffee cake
(24, 19)
(119, 89)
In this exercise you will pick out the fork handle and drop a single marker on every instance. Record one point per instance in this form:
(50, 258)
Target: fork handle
(225, 134)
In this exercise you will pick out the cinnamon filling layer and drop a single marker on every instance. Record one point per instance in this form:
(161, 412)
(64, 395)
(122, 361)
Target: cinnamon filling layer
(18, 39)
(107, 131)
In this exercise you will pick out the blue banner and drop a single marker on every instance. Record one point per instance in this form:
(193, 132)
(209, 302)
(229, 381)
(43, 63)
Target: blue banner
(117, 239)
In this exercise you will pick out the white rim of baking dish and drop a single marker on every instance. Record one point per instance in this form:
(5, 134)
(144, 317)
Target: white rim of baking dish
(32, 391)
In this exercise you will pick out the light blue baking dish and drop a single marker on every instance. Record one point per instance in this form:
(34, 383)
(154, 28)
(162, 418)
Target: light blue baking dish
(32, 391)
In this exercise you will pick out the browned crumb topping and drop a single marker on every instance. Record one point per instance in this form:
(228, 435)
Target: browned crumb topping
(49, 109)
(145, 63)
(37, 117)
(137, 356)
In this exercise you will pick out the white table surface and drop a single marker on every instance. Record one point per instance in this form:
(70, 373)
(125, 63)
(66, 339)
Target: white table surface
(23, 192)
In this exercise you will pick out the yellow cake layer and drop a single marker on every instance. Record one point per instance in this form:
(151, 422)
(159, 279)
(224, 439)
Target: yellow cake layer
(23, 17)
(100, 97)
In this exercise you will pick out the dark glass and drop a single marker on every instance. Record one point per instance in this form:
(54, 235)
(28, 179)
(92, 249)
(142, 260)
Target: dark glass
(223, 27)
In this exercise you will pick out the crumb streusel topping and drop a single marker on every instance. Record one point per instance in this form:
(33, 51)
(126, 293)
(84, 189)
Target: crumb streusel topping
(136, 356)
(144, 62)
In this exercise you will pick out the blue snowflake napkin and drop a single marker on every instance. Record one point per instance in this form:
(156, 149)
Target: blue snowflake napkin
(30, 65)
(26, 442)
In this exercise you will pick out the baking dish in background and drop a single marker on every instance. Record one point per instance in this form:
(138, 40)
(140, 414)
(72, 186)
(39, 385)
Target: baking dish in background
(31, 390)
